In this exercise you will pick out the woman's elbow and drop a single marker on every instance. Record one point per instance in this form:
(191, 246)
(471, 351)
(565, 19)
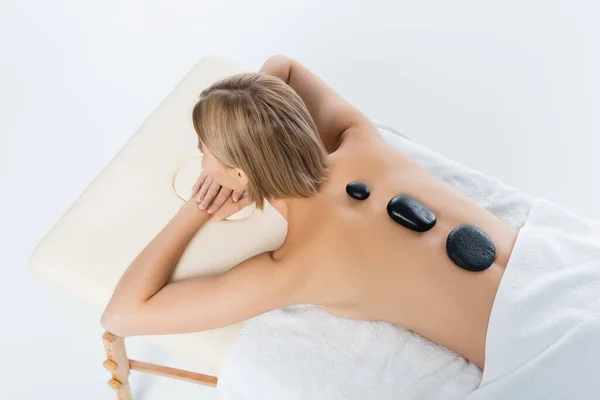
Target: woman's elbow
(116, 323)
(278, 66)
(279, 59)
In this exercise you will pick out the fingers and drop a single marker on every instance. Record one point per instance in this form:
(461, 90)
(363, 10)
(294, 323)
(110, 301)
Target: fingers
(205, 186)
(210, 194)
(244, 201)
(223, 195)
(236, 196)
(198, 184)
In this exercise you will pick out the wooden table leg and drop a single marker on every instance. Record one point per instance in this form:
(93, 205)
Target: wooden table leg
(118, 364)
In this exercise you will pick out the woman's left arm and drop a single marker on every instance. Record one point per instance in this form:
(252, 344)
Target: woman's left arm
(145, 303)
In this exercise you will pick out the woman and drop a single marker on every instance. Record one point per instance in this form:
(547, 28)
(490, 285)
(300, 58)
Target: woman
(283, 135)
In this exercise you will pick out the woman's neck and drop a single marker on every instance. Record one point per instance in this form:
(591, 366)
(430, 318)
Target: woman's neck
(282, 206)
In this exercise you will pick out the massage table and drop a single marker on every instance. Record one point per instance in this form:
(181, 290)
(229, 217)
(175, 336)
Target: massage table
(553, 267)
(128, 203)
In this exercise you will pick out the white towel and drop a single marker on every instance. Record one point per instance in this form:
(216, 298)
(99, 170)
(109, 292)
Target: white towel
(301, 352)
(543, 339)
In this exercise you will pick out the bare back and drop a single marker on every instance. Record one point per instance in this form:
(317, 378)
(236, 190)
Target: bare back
(350, 258)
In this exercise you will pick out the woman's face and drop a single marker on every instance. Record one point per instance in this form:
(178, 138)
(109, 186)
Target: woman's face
(232, 178)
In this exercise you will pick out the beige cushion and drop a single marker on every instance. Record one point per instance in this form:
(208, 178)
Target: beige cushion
(131, 200)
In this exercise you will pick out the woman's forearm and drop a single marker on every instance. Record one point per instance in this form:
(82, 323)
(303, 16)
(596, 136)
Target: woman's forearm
(153, 267)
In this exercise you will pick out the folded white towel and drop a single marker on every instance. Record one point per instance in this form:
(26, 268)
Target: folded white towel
(302, 352)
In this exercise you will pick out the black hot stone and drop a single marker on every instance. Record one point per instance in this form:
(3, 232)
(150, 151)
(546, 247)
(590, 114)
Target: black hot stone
(470, 248)
(410, 213)
(358, 190)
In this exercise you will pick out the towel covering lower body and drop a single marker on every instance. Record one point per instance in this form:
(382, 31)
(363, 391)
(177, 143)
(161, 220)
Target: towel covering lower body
(543, 339)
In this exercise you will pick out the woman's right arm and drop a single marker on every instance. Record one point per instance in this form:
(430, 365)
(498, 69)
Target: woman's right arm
(332, 114)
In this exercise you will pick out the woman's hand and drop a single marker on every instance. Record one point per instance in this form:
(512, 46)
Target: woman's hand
(210, 195)
(217, 200)
(230, 207)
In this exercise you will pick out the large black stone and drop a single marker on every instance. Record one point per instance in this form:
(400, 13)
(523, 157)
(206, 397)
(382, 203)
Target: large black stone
(358, 190)
(410, 213)
(470, 248)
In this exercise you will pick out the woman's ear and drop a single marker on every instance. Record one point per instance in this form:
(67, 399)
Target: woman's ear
(241, 177)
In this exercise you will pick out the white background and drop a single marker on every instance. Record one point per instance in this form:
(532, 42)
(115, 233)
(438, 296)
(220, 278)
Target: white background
(510, 88)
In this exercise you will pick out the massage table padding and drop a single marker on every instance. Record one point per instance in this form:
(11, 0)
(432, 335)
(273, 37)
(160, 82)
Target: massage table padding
(132, 199)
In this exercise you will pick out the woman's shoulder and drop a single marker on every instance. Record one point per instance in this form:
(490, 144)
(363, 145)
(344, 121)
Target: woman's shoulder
(363, 133)
(359, 144)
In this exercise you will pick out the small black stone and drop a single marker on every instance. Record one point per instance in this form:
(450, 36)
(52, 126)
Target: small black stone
(410, 213)
(358, 190)
(470, 248)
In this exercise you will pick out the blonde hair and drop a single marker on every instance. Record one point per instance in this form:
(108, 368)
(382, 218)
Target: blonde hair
(257, 123)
